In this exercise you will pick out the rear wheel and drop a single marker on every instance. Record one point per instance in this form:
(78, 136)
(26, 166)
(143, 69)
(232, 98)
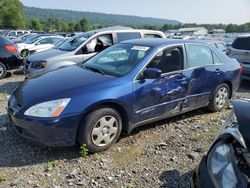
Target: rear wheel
(3, 70)
(220, 98)
(100, 129)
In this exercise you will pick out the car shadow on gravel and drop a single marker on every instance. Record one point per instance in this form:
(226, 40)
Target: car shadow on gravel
(174, 179)
(166, 121)
(244, 87)
(16, 151)
(8, 88)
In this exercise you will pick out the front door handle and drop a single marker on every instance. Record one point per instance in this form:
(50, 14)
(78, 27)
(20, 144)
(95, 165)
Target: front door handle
(181, 79)
(218, 71)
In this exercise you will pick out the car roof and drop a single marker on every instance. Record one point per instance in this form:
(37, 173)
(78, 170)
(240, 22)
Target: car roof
(161, 42)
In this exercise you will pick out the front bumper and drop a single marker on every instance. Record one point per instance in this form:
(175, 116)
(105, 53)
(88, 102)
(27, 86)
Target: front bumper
(47, 132)
(200, 177)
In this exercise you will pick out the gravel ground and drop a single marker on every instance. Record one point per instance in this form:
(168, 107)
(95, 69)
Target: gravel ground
(162, 154)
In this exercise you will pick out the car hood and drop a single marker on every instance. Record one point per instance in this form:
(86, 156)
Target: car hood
(57, 84)
(45, 54)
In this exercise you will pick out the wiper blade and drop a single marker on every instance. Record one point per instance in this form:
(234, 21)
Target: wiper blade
(95, 69)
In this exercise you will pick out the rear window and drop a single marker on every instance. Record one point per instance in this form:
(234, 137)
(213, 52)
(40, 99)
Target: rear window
(242, 43)
(127, 36)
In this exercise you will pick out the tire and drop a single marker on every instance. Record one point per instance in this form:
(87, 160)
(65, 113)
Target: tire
(3, 70)
(25, 53)
(100, 129)
(219, 98)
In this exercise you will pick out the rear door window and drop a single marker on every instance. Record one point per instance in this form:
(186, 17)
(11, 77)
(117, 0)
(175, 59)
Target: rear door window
(242, 43)
(199, 55)
(122, 36)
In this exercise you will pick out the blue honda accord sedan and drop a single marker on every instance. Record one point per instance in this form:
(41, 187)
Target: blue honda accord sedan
(127, 85)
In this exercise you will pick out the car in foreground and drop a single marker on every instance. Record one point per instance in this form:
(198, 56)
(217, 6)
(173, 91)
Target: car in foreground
(37, 44)
(240, 50)
(9, 56)
(227, 163)
(82, 47)
(125, 86)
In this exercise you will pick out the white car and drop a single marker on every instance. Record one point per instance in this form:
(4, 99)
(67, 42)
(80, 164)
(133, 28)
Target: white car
(37, 44)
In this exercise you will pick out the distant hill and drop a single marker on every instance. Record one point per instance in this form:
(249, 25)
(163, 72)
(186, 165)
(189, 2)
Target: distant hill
(93, 17)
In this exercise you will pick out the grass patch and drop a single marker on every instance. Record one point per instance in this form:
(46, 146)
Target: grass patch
(84, 151)
(52, 164)
(2, 177)
(202, 136)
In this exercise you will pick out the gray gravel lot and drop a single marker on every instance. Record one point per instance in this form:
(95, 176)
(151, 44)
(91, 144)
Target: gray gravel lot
(162, 154)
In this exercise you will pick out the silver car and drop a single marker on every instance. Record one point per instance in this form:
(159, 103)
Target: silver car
(240, 50)
(80, 48)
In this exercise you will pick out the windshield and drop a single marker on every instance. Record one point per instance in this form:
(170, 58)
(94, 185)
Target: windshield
(72, 44)
(117, 60)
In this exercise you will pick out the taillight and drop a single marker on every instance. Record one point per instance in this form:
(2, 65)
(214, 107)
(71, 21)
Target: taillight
(241, 69)
(10, 48)
(228, 51)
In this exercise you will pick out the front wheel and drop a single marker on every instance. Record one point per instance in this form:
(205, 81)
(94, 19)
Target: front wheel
(219, 98)
(3, 70)
(100, 129)
(25, 53)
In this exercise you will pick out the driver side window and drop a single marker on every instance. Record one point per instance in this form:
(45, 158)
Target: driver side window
(168, 60)
(99, 43)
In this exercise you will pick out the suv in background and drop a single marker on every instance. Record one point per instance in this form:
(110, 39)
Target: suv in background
(81, 47)
(240, 50)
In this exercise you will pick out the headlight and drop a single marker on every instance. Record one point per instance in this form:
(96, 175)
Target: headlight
(223, 169)
(48, 109)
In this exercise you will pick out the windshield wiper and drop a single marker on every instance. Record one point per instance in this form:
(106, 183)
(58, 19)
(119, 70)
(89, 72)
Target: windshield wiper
(94, 69)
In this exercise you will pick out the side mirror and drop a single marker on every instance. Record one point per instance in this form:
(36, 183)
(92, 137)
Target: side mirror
(152, 73)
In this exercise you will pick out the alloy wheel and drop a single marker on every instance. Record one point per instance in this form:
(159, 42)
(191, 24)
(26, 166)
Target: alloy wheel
(221, 97)
(105, 131)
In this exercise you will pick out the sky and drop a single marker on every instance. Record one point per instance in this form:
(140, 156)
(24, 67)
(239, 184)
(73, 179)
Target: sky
(185, 11)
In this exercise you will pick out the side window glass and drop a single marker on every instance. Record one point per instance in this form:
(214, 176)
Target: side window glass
(152, 36)
(221, 47)
(199, 55)
(98, 44)
(168, 60)
(216, 59)
(44, 41)
(127, 36)
(54, 40)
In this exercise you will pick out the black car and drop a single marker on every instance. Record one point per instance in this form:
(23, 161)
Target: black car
(9, 56)
(227, 163)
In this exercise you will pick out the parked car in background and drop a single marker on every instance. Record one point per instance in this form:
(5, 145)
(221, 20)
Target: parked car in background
(227, 163)
(38, 44)
(82, 47)
(240, 50)
(14, 34)
(127, 85)
(56, 42)
(218, 44)
(9, 56)
(24, 37)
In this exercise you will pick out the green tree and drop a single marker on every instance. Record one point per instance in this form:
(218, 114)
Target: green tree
(11, 14)
(84, 24)
(36, 24)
